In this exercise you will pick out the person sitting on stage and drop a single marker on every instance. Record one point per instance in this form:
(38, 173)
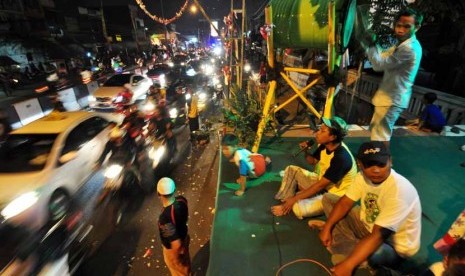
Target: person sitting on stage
(431, 119)
(385, 228)
(336, 169)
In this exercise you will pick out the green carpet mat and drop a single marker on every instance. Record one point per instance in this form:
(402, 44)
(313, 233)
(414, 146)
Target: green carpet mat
(248, 240)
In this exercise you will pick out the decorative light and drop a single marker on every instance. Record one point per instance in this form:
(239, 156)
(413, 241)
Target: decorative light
(162, 20)
(193, 9)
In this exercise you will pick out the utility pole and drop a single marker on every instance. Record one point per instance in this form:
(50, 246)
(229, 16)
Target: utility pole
(134, 27)
(104, 25)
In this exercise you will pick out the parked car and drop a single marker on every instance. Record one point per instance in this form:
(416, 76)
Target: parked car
(43, 164)
(160, 74)
(120, 90)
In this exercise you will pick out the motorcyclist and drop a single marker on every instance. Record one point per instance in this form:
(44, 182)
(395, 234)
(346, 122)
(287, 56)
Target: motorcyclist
(133, 121)
(154, 92)
(120, 146)
(160, 125)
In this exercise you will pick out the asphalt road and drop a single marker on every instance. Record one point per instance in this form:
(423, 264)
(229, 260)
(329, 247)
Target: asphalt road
(133, 247)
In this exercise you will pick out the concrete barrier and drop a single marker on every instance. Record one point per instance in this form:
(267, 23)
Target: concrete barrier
(73, 98)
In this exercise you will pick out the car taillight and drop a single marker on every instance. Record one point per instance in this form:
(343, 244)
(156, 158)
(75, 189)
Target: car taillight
(41, 89)
(123, 97)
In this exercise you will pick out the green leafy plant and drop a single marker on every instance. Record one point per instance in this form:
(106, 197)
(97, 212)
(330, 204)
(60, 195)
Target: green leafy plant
(242, 114)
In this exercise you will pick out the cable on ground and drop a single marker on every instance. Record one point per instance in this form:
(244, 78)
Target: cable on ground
(303, 260)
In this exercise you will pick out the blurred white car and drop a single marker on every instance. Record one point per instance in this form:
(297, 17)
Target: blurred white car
(120, 90)
(43, 164)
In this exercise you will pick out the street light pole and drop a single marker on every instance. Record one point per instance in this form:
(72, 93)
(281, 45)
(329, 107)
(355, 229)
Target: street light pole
(207, 17)
(104, 25)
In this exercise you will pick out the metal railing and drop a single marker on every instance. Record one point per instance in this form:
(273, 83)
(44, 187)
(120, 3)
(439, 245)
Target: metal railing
(453, 107)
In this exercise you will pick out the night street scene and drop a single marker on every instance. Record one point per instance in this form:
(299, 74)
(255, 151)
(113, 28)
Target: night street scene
(240, 137)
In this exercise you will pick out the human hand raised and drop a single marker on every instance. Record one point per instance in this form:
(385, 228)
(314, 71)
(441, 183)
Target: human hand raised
(368, 40)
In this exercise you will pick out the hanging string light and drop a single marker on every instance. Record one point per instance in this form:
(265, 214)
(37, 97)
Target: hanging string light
(162, 20)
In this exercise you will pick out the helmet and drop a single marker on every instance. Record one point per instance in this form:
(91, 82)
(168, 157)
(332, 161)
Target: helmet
(116, 132)
(166, 186)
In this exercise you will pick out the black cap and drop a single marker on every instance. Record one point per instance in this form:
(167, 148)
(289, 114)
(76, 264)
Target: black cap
(373, 152)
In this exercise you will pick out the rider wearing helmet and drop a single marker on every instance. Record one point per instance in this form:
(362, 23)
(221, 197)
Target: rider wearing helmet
(119, 146)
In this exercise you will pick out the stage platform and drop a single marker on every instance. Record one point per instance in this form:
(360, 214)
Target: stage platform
(248, 240)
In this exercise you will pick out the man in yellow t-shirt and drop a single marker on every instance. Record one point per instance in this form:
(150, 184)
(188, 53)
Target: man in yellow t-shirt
(193, 114)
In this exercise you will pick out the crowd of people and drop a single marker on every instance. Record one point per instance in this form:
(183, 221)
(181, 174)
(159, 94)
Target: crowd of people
(373, 216)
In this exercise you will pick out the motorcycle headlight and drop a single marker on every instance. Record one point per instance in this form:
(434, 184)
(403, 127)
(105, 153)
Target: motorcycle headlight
(170, 64)
(188, 96)
(202, 96)
(209, 69)
(173, 113)
(20, 204)
(156, 154)
(113, 171)
(191, 72)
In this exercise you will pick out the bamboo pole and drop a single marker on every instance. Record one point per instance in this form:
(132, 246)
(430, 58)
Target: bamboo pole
(331, 56)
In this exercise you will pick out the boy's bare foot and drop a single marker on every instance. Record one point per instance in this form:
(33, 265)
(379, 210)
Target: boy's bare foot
(277, 210)
(316, 224)
(267, 160)
(239, 193)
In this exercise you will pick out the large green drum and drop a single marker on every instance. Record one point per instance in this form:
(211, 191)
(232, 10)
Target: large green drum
(304, 23)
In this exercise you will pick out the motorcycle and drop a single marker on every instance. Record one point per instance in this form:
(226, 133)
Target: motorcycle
(157, 151)
(217, 88)
(122, 186)
(161, 152)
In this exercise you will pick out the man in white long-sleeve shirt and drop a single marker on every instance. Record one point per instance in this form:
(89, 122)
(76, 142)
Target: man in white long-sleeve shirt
(400, 65)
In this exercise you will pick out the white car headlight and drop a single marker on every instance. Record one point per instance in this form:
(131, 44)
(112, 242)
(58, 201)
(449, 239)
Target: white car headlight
(91, 98)
(170, 64)
(113, 171)
(20, 204)
(162, 80)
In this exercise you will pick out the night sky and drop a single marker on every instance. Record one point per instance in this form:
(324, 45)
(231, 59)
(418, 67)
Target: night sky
(189, 23)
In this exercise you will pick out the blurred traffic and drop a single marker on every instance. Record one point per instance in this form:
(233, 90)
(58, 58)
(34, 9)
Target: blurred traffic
(64, 175)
